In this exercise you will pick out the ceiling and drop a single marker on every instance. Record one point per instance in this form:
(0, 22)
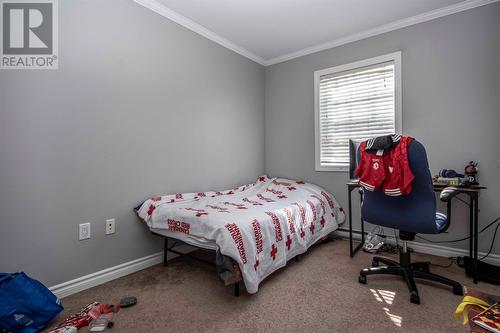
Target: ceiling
(271, 31)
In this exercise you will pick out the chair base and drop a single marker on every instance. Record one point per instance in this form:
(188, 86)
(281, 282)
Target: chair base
(409, 272)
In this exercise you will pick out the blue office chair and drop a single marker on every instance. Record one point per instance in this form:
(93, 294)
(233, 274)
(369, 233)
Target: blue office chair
(410, 214)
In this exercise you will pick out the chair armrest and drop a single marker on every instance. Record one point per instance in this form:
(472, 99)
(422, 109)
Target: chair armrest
(448, 193)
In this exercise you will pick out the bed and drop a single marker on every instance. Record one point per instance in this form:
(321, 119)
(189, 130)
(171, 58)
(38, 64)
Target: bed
(254, 229)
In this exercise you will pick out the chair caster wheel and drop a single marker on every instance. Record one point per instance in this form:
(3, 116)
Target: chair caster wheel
(414, 298)
(362, 279)
(458, 291)
(375, 263)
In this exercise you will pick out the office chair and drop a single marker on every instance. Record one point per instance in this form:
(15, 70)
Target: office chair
(410, 214)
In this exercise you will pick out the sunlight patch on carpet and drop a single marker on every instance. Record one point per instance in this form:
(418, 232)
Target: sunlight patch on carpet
(384, 295)
(387, 297)
(396, 320)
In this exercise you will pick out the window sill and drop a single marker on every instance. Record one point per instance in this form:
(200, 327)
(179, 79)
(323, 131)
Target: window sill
(332, 169)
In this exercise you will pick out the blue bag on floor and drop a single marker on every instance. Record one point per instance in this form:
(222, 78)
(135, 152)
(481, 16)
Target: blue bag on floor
(26, 305)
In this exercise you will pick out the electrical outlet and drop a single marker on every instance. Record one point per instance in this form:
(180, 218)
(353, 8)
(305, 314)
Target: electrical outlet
(110, 226)
(84, 231)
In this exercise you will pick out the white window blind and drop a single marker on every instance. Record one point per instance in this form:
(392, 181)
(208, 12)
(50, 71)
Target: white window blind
(357, 103)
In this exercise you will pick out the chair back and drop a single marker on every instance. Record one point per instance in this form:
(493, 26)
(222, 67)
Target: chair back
(412, 213)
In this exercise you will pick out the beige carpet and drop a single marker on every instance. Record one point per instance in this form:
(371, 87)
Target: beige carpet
(320, 293)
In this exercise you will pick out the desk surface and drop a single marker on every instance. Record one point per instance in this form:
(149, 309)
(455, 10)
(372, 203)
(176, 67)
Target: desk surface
(468, 188)
(437, 186)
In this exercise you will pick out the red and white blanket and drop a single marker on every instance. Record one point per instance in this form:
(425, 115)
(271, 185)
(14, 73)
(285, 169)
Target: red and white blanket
(260, 225)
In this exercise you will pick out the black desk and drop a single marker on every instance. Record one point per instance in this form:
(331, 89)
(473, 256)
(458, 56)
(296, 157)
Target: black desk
(473, 193)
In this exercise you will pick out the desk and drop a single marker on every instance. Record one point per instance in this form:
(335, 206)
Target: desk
(472, 191)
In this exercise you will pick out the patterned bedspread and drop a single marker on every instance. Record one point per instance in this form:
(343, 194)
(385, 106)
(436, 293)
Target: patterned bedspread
(259, 225)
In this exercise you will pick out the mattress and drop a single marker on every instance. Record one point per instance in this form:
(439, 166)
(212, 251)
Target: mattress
(188, 239)
(260, 225)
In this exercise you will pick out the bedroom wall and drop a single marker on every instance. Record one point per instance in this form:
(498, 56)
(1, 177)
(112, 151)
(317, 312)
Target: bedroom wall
(451, 103)
(139, 106)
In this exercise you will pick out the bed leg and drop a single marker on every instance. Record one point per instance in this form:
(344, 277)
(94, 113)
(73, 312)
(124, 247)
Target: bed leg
(165, 251)
(237, 289)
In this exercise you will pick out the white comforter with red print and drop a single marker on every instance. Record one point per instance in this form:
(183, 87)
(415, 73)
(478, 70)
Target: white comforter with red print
(260, 225)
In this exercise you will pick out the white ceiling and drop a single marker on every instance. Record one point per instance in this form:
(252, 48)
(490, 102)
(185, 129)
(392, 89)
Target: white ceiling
(270, 31)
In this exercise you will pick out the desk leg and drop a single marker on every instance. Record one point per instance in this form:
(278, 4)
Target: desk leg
(349, 192)
(476, 227)
(471, 225)
(362, 222)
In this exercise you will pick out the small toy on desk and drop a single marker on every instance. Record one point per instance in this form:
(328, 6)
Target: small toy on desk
(450, 173)
(452, 178)
(471, 170)
(448, 177)
(446, 181)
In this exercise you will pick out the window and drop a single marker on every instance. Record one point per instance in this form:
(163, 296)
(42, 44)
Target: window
(355, 101)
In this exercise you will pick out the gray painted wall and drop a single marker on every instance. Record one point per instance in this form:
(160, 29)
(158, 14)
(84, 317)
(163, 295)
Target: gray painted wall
(140, 106)
(451, 103)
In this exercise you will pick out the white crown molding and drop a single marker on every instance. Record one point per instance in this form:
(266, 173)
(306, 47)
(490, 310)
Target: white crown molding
(433, 249)
(199, 29)
(161, 9)
(428, 16)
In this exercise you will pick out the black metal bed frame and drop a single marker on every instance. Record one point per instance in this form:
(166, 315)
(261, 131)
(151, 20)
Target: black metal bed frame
(176, 242)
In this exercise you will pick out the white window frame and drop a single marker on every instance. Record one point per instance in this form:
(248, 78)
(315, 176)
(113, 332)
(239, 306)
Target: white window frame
(396, 58)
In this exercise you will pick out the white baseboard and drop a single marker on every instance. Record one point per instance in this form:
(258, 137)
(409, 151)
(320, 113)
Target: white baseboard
(88, 281)
(94, 279)
(428, 248)
(91, 280)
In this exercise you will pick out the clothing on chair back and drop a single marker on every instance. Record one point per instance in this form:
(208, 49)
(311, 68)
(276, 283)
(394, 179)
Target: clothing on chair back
(389, 170)
(382, 142)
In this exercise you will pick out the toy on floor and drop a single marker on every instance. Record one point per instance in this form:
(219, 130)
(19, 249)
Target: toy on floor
(472, 305)
(95, 315)
(373, 243)
(102, 322)
(489, 319)
(125, 302)
(77, 320)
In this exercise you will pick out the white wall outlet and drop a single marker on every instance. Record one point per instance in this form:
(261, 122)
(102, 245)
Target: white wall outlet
(84, 231)
(110, 226)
